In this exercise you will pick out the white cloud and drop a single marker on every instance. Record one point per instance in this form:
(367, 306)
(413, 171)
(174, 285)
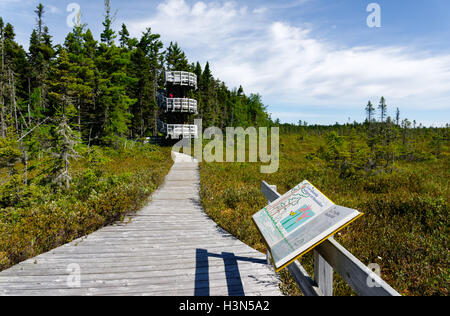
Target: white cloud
(296, 116)
(7, 3)
(260, 10)
(53, 9)
(200, 25)
(286, 63)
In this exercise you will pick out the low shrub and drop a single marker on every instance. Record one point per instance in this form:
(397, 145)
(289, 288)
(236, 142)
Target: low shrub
(35, 219)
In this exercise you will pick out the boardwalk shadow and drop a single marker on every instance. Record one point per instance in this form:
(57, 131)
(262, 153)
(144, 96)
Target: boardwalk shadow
(232, 274)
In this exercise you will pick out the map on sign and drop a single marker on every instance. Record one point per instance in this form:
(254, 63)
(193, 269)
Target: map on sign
(300, 220)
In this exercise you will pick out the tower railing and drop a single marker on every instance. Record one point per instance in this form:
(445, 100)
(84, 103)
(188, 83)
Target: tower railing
(182, 105)
(178, 83)
(181, 78)
(177, 131)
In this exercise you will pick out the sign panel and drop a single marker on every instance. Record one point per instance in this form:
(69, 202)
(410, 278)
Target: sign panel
(300, 220)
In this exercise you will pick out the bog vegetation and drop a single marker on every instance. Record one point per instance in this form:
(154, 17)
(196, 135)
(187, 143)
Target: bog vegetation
(394, 172)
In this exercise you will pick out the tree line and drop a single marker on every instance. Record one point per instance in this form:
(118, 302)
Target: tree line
(374, 146)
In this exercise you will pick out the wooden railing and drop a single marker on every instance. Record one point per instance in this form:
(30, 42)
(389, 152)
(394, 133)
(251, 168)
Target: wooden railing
(182, 105)
(328, 257)
(176, 131)
(181, 78)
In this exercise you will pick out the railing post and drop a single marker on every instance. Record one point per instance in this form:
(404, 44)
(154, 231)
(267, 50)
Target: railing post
(273, 187)
(268, 255)
(323, 274)
(268, 258)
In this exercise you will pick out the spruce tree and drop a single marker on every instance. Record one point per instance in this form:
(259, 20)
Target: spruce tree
(176, 59)
(13, 67)
(206, 96)
(146, 61)
(41, 53)
(108, 34)
(112, 115)
(40, 17)
(198, 72)
(13, 96)
(124, 37)
(113, 101)
(383, 109)
(370, 111)
(90, 44)
(83, 68)
(197, 94)
(64, 142)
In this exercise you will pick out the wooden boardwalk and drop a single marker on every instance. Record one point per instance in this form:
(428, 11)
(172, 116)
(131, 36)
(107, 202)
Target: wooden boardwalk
(171, 247)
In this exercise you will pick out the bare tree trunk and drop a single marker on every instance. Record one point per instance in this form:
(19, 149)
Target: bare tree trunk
(90, 135)
(29, 101)
(13, 98)
(79, 115)
(24, 161)
(142, 122)
(2, 110)
(2, 100)
(90, 118)
(155, 117)
(43, 88)
(65, 149)
(155, 91)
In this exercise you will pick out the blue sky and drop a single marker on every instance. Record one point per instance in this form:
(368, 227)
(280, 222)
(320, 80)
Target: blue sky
(311, 60)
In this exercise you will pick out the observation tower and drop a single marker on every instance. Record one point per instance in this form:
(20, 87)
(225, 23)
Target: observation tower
(177, 108)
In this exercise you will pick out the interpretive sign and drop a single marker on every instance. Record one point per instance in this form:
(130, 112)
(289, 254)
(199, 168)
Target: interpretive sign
(299, 221)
